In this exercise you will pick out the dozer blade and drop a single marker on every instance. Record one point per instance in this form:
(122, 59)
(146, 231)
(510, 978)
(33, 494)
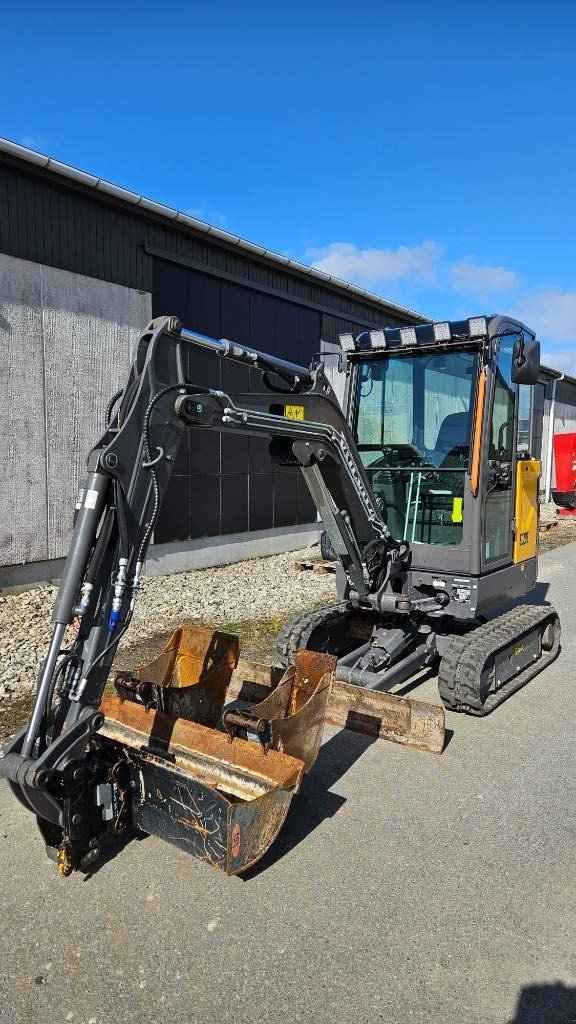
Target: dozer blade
(413, 723)
(222, 801)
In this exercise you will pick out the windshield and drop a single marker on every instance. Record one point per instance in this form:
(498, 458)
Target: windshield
(413, 427)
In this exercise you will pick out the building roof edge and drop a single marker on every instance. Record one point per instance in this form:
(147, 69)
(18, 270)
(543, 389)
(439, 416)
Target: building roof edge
(64, 170)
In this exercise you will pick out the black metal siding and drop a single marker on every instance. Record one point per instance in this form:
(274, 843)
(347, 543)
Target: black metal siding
(75, 228)
(222, 484)
(566, 392)
(43, 221)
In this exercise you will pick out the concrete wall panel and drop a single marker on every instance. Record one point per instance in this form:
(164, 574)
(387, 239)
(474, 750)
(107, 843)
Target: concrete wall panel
(68, 345)
(23, 515)
(90, 328)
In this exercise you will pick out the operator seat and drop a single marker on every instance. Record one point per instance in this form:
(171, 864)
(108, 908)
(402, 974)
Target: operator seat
(453, 439)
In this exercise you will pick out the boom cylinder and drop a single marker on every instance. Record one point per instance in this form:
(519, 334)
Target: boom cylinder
(250, 356)
(82, 540)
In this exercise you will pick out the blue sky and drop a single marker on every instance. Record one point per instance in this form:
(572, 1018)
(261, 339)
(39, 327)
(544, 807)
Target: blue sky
(426, 152)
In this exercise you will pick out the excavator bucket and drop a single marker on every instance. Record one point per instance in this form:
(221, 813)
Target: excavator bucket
(213, 793)
(385, 716)
(291, 718)
(222, 801)
(196, 765)
(189, 678)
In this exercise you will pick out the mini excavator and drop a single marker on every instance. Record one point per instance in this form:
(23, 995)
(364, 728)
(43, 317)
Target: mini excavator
(431, 512)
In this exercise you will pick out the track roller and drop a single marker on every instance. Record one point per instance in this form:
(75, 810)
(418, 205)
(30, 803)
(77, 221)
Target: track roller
(333, 629)
(483, 668)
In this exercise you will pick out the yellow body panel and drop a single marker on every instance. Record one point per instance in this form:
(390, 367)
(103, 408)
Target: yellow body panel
(526, 539)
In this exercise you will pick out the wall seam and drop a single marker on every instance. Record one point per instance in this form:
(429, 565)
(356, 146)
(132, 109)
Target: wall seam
(46, 475)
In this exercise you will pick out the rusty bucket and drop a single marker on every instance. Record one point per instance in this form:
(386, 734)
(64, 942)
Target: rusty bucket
(224, 802)
(220, 797)
(291, 719)
(189, 678)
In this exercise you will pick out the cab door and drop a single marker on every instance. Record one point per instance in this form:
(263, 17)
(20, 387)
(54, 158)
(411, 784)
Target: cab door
(500, 473)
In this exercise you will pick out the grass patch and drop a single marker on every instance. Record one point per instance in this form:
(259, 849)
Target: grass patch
(14, 715)
(258, 638)
(257, 641)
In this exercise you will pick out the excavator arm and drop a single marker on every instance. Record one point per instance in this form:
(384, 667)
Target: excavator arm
(117, 508)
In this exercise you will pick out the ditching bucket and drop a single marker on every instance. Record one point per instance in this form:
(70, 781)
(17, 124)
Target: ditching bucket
(217, 796)
(189, 678)
(223, 802)
(291, 719)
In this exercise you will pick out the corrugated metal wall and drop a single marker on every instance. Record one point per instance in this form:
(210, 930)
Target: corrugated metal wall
(225, 484)
(74, 228)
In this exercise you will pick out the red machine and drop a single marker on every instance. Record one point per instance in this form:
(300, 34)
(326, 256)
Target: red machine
(564, 494)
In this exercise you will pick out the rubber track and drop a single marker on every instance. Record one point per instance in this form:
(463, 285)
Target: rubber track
(462, 665)
(298, 629)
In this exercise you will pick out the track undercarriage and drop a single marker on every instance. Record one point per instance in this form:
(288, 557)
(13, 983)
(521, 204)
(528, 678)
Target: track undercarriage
(480, 665)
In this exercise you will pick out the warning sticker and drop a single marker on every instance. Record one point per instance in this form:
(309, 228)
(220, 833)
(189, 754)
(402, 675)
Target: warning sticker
(90, 499)
(294, 412)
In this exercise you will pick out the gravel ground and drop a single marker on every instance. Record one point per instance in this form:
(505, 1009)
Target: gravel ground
(228, 596)
(261, 592)
(555, 529)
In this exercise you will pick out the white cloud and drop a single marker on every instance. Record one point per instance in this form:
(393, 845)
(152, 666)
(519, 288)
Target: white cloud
(481, 282)
(209, 215)
(373, 267)
(560, 358)
(31, 142)
(423, 264)
(551, 312)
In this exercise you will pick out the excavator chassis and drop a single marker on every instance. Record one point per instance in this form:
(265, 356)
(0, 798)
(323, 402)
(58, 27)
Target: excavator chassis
(480, 666)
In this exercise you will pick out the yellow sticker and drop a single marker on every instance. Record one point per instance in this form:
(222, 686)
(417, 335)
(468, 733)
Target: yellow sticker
(294, 412)
(457, 510)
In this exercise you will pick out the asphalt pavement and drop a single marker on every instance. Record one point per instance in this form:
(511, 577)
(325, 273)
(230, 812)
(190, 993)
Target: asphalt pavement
(404, 887)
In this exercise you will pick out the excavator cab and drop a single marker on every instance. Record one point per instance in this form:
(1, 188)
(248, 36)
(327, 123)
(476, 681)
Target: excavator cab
(434, 412)
(412, 422)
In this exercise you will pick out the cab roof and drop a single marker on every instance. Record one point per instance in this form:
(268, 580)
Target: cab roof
(442, 332)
